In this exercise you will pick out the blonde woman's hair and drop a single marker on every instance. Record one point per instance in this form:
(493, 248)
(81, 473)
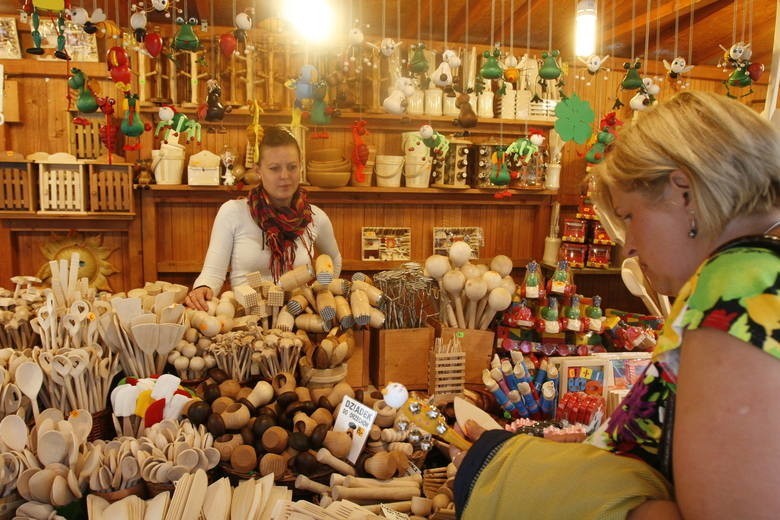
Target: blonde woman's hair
(730, 153)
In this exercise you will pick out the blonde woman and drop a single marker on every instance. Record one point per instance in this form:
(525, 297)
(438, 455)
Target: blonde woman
(693, 185)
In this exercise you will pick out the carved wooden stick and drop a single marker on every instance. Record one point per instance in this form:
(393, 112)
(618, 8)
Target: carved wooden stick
(326, 457)
(375, 493)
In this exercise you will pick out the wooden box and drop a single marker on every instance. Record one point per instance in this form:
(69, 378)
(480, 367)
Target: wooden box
(62, 185)
(110, 188)
(18, 189)
(478, 347)
(357, 365)
(401, 356)
(446, 374)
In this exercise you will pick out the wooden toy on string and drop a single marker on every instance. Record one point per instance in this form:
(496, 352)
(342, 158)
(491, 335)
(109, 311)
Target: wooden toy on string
(214, 109)
(178, 123)
(86, 100)
(80, 17)
(109, 133)
(131, 124)
(745, 71)
(149, 69)
(60, 8)
(254, 134)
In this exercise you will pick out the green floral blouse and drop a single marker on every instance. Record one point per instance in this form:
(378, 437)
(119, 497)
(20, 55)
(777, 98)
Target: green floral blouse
(736, 291)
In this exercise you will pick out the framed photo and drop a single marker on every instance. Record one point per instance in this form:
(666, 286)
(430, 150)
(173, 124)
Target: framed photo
(386, 243)
(584, 374)
(80, 45)
(9, 39)
(624, 368)
(443, 238)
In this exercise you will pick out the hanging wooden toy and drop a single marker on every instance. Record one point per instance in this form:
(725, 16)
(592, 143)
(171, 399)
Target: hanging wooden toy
(395, 103)
(138, 24)
(321, 113)
(491, 69)
(254, 134)
(109, 133)
(33, 9)
(631, 81)
(131, 124)
(359, 154)
(525, 147)
(593, 63)
(243, 22)
(185, 38)
(745, 72)
(118, 63)
(604, 139)
(646, 96)
(677, 67)
(499, 171)
(213, 110)
(80, 17)
(178, 123)
(86, 100)
(303, 86)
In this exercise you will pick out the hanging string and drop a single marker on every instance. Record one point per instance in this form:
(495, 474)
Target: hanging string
(676, 33)
(647, 30)
(690, 35)
(384, 17)
(612, 43)
(502, 22)
(492, 21)
(744, 18)
(511, 26)
(658, 32)
(750, 22)
(213, 63)
(549, 25)
(734, 22)
(419, 21)
(446, 20)
(430, 22)
(527, 51)
(633, 28)
(116, 12)
(398, 21)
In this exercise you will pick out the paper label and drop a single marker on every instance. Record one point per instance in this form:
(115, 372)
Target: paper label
(392, 513)
(356, 419)
(531, 291)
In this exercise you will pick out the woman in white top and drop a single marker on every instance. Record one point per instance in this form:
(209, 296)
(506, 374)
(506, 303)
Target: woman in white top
(271, 231)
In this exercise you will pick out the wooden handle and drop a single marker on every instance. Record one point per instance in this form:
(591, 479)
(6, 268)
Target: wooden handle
(374, 294)
(301, 275)
(375, 493)
(323, 267)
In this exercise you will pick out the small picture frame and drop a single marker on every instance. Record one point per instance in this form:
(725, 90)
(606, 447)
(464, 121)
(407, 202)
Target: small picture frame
(9, 39)
(444, 237)
(80, 45)
(584, 374)
(383, 244)
(624, 368)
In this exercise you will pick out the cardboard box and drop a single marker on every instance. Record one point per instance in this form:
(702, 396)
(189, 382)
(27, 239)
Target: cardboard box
(401, 356)
(478, 346)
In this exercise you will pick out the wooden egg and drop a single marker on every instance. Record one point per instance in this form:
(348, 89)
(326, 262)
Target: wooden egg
(191, 335)
(220, 403)
(229, 388)
(215, 425)
(275, 439)
(209, 326)
(322, 416)
(218, 375)
(243, 458)
(261, 424)
(318, 436)
(261, 394)
(306, 463)
(381, 465)
(299, 441)
(272, 463)
(198, 412)
(338, 443)
(225, 308)
(211, 393)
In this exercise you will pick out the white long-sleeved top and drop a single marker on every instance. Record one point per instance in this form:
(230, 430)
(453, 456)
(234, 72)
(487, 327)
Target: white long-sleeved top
(239, 243)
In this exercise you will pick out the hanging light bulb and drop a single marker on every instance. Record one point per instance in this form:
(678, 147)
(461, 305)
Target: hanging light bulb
(312, 19)
(585, 31)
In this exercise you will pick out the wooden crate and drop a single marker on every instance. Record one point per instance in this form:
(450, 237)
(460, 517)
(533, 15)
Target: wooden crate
(110, 188)
(401, 356)
(85, 138)
(18, 189)
(357, 365)
(478, 347)
(62, 185)
(446, 374)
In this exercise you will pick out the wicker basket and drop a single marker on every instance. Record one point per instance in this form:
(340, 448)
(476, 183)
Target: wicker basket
(155, 488)
(138, 490)
(102, 426)
(8, 505)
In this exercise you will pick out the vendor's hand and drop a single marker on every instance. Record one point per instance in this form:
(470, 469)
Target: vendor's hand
(198, 297)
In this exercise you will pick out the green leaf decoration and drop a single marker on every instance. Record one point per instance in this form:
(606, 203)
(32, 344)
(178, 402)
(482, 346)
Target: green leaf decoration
(575, 119)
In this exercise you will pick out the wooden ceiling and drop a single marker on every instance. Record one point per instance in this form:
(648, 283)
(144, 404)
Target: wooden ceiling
(629, 28)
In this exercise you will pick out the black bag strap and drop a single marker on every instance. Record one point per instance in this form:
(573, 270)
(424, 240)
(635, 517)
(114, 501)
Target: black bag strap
(770, 242)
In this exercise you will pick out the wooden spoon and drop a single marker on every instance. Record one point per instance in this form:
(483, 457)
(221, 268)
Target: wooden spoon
(453, 282)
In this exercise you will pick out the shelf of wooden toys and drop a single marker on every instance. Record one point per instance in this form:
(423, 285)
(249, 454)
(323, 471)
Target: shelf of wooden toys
(387, 122)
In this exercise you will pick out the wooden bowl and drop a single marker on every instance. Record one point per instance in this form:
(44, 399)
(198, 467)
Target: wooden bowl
(325, 154)
(325, 179)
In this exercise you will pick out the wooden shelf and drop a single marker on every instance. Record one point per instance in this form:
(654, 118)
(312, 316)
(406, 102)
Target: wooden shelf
(29, 215)
(388, 122)
(588, 271)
